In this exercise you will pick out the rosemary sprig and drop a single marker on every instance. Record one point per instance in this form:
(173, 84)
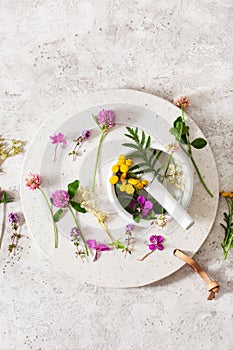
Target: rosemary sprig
(141, 146)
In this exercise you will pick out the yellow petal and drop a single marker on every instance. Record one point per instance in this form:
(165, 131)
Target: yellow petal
(124, 168)
(129, 189)
(113, 180)
(115, 168)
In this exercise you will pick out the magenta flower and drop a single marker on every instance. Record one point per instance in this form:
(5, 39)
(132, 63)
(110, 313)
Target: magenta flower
(60, 198)
(56, 139)
(156, 242)
(33, 181)
(98, 247)
(182, 102)
(59, 138)
(106, 118)
(144, 206)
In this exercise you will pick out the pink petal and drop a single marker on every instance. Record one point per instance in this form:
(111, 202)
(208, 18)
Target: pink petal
(159, 239)
(160, 246)
(102, 247)
(152, 246)
(91, 243)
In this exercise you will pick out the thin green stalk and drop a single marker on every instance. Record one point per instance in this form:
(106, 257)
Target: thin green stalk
(193, 161)
(97, 158)
(200, 177)
(168, 163)
(3, 223)
(51, 212)
(77, 225)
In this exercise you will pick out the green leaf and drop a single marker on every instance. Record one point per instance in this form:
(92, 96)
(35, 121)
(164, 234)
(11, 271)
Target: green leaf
(78, 207)
(58, 215)
(118, 244)
(3, 196)
(131, 145)
(136, 218)
(148, 142)
(199, 143)
(175, 133)
(143, 138)
(73, 188)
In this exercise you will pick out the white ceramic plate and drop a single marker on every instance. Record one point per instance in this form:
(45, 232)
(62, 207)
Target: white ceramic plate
(155, 116)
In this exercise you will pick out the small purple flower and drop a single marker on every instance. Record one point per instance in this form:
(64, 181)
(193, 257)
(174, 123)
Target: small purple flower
(129, 227)
(156, 242)
(74, 234)
(106, 118)
(98, 247)
(86, 134)
(13, 218)
(59, 138)
(145, 206)
(60, 198)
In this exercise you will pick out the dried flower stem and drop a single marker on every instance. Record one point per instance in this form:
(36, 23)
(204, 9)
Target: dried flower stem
(146, 255)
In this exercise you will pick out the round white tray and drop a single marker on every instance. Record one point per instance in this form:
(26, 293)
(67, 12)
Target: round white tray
(155, 116)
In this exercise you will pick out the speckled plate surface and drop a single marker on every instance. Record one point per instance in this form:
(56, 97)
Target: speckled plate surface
(112, 269)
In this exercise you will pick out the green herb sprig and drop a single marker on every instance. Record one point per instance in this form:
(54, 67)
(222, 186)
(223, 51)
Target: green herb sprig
(181, 133)
(227, 243)
(141, 146)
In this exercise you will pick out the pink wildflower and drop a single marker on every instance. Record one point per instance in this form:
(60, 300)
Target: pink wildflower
(182, 102)
(33, 181)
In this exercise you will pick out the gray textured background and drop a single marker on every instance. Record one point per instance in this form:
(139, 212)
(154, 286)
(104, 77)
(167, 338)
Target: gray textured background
(54, 51)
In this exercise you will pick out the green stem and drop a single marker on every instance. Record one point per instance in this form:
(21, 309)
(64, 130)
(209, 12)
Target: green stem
(77, 225)
(200, 177)
(168, 163)
(51, 212)
(193, 161)
(3, 223)
(97, 158)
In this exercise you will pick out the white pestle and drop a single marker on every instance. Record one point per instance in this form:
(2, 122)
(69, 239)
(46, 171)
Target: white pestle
(168, 202)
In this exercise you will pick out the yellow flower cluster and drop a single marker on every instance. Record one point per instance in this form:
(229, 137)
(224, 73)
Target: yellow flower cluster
(120, 170)
(227, 194)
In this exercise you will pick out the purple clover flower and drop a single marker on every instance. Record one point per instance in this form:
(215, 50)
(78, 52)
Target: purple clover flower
(86, 134)
(156, 242)
(13, 218)
(60, 198)
(106, 118)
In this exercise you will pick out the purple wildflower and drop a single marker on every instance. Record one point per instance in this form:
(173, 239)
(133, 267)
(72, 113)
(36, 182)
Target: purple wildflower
(156, 242)
(98, 247)
(144, 205)
(106, 118)
(129, 227)
(59, 138)
(86, 134)
(74, 234)
(13, 218)
(60, 198)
